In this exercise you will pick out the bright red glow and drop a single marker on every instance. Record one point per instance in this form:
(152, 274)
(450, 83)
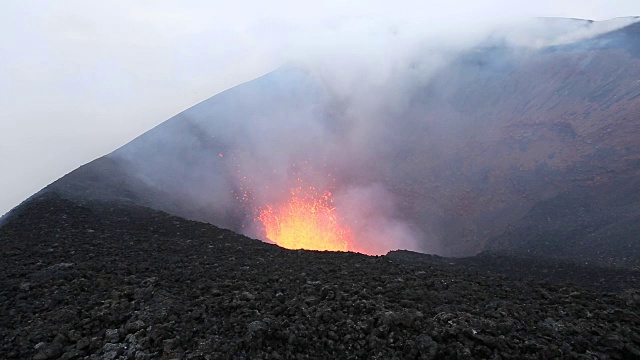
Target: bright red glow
(308, 220)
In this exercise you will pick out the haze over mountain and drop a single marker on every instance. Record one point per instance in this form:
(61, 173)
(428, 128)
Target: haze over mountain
(510, 142)
(83, 78)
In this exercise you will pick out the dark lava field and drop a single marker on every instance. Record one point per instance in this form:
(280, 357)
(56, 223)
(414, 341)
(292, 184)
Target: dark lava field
(111, 281)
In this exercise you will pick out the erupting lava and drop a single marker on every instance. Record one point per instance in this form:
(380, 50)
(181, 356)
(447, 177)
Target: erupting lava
(307, 221)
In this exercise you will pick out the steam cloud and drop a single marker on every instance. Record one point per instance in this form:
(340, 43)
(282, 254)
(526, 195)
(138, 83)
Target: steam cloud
(341, 117)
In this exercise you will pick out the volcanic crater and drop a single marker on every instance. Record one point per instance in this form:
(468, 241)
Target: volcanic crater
(518, 167)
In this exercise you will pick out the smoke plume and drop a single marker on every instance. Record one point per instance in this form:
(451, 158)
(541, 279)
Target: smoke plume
(350, 113)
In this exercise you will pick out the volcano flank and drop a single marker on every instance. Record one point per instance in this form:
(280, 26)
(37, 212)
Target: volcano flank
(504, 148)
(476, 203)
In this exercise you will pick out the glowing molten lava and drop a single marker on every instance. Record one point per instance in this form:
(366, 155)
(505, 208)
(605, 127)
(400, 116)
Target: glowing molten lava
(307, 221)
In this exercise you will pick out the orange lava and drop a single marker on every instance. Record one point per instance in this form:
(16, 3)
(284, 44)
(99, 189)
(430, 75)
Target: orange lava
(307, 221)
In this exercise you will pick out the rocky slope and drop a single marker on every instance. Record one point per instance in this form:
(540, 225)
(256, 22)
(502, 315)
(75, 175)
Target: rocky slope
(121, 281)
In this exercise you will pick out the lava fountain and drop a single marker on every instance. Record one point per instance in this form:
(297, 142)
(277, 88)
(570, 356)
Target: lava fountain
(308, 220)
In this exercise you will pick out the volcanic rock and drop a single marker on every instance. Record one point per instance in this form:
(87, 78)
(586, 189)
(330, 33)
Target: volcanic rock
(292, 304)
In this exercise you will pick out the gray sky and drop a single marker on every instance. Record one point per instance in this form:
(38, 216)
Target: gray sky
(80, 78)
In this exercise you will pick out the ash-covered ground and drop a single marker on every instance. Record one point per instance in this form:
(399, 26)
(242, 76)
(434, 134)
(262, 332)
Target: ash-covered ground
(113, 281)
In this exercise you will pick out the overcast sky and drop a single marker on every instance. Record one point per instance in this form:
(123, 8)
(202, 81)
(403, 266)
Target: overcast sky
(80, 78)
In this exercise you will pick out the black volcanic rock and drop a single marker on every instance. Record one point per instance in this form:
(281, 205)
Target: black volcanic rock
(126, 281)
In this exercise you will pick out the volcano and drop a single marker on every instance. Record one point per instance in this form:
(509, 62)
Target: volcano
(504, 148)
(484, 205)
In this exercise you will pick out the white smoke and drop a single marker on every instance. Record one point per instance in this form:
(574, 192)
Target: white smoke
(335, 118)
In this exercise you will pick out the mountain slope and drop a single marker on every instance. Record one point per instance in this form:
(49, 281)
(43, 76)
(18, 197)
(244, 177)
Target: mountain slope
(471, 157)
